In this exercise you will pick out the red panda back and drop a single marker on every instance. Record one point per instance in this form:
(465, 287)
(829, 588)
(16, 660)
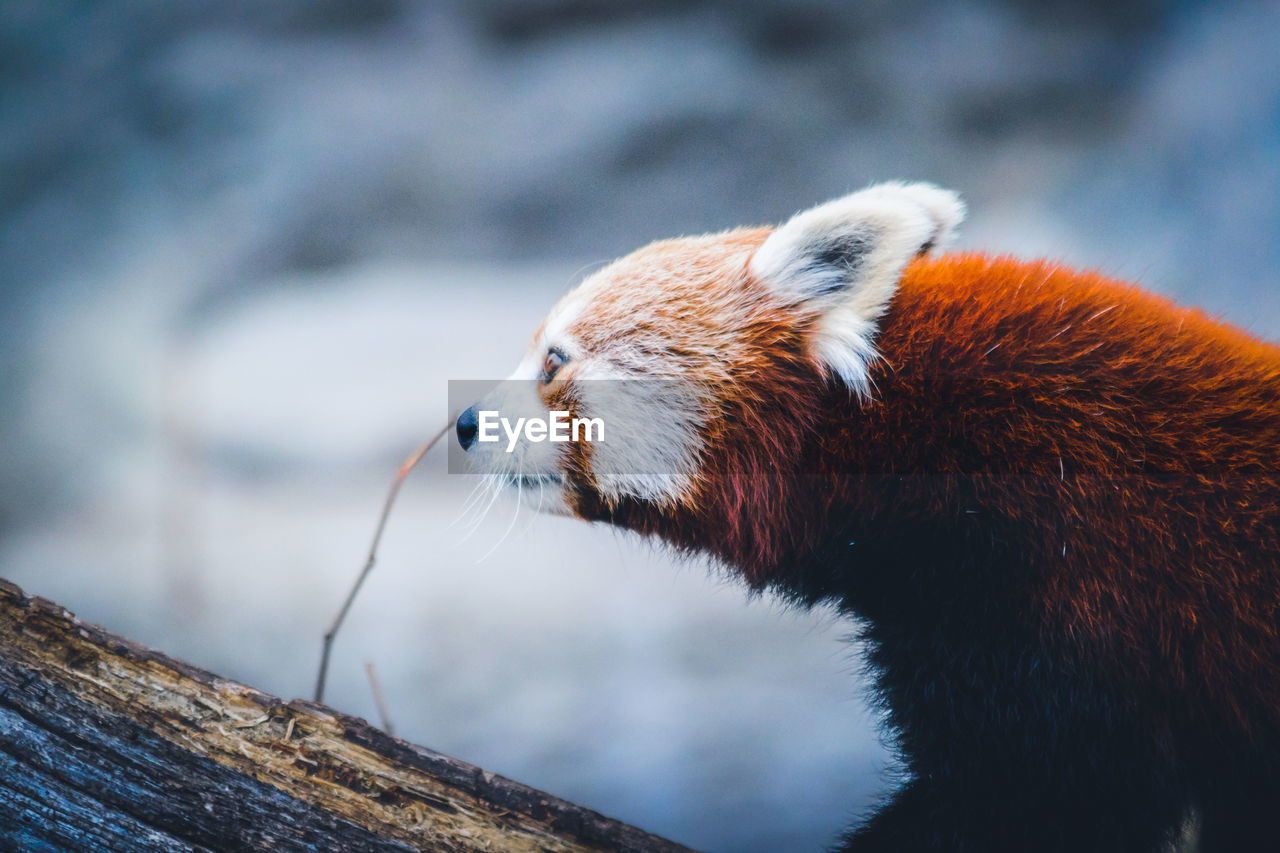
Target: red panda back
(1133, 444)
(1098, 360)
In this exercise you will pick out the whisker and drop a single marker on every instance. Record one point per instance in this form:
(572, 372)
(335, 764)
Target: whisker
(494, 484)
(515, 515)
(528, 525)
(472, 501)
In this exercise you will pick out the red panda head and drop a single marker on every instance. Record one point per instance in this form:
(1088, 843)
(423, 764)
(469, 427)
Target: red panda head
(703, 358)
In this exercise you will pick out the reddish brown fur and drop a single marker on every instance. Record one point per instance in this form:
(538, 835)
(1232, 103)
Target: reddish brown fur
(1126, 446)
(1149, 430)
(1057, 518)
(676, 301)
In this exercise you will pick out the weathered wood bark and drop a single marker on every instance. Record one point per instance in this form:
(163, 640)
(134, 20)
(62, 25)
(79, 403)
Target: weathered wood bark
(108, 746)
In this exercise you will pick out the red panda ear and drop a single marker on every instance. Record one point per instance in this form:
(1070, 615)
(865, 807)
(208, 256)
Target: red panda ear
(843, 259)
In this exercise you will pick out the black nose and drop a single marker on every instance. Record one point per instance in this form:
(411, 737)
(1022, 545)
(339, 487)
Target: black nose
(467, 426)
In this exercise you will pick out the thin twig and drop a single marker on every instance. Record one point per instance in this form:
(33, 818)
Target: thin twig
(405, 467)
(379, 702)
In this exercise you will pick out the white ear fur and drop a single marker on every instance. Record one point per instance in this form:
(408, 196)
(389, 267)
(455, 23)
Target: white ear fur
(844, 259)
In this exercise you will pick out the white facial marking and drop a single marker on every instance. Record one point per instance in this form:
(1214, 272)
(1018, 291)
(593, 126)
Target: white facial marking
(653, 447)
(555, 331)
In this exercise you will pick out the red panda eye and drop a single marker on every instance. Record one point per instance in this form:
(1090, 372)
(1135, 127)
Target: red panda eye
(551, 365)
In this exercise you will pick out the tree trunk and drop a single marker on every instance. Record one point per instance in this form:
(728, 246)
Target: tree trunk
(108, 746)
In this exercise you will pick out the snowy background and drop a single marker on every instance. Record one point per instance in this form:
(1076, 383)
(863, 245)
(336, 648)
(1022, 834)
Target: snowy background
(244, 245)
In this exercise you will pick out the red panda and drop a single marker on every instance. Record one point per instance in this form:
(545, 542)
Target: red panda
(1050, 499)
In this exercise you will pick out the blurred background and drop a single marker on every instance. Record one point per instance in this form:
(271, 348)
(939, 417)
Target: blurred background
(244, 245)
